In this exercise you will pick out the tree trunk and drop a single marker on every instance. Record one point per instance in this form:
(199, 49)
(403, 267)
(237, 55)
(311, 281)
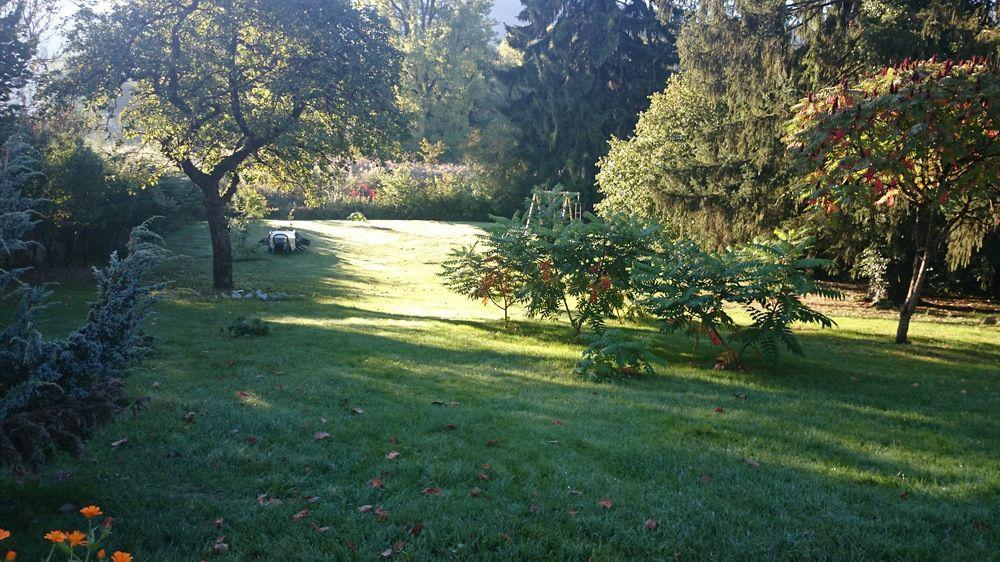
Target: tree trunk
(922, 263)
(222, 250)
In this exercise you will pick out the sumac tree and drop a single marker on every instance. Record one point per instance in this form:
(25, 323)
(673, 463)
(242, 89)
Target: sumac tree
(918, 138)
(688, 289)
(483, 275)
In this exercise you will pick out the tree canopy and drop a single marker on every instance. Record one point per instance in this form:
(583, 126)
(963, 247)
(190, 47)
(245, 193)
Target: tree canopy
(920, 136)
(232, 88)
(447, 55)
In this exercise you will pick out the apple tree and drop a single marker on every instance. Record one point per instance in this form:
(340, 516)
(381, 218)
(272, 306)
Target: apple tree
(231, 89)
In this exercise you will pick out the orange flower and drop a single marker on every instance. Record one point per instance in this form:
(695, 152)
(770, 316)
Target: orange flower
(91, 511)
(77, 538)
(100, 554)
(11, 555)
(4, 533)
(56, 536)
(120, 556)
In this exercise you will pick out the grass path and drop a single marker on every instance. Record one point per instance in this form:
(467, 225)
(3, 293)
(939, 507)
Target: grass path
(860, 450)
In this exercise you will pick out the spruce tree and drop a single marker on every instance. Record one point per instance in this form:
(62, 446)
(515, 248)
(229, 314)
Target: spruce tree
(587, 70)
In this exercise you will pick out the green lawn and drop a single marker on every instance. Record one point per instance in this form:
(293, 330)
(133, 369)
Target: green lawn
(860, 450)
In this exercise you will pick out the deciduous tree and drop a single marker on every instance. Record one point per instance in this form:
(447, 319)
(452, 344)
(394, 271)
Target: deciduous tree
(918, 138)
(230, 88)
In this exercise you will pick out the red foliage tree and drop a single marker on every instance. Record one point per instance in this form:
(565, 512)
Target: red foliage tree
(919, 137)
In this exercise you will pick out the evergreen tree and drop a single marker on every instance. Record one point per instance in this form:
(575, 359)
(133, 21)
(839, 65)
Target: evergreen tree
(744, 64)
(587, 69)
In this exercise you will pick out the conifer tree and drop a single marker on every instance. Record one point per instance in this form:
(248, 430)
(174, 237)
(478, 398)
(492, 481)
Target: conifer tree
(587, 70)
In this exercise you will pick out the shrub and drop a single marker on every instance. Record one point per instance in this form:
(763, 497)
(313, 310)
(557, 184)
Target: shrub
(486, 276)
(613, 353)
(357, 216)
(687, 288)
(246, 209)
(243, 327)
(581, 268)
(53, 393)
(401, 190)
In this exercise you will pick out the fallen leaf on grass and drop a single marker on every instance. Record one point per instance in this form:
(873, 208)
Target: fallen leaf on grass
(720, 411)
(250, 440)
(218, 522)
(358, 411)
(557, 422)
(534, 508)
(575, 493)
(387, 552)
(376, 483)
(980, 525)
(394, 440)
(443, 403)
(484, 476)
(651, 524)
(317, 528)
(189, 417)
(119, 442)
(300, 515)
(382, 514)
(706, 478)
(416, 529)
(431, 491)
(904, 496)
(242, 395)
(312, 499)
(475, 492)
(264, 499)
(452, 426)
(492, 443)
(392, 455)
(605, 503)
(321, 435)
(230, 363)
(571, 513)
(751, 461)
(220, 547)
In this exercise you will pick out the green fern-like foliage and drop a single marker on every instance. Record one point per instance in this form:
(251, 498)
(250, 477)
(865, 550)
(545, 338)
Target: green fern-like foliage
(482, 275)
(613, 353)
(687, 288)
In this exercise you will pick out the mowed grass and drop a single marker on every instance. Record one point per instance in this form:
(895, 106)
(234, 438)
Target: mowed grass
(860, 450)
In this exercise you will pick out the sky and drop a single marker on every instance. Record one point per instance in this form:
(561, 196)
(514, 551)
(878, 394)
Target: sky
(505, 12)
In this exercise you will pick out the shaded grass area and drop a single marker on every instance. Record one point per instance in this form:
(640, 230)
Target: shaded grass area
(862, 449)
